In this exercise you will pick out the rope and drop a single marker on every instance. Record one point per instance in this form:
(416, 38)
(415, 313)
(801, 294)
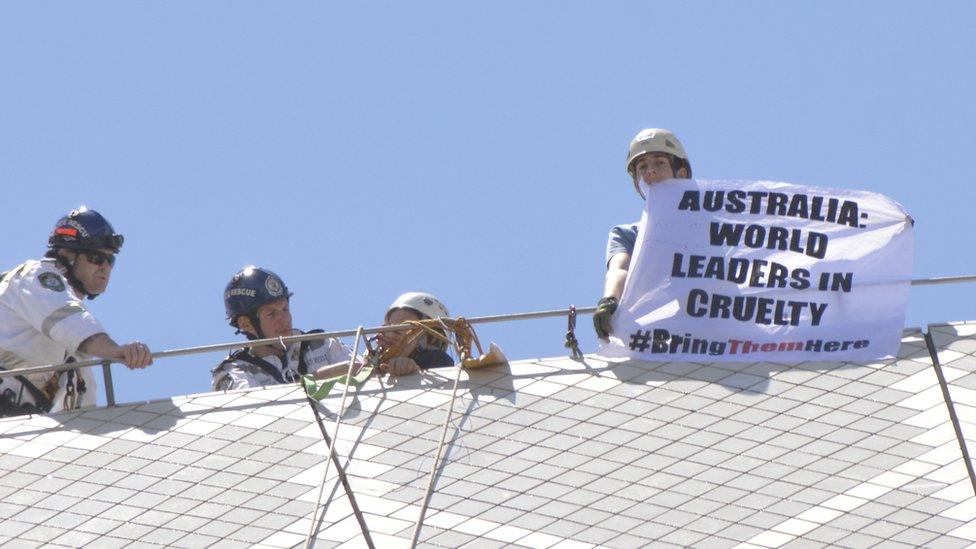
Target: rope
(342, 474)
(571, 342)
(464, 337)
(333, 457)
(461, 351)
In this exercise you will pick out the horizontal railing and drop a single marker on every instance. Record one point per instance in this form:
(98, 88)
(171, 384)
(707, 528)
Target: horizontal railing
(284, 341)
(107, 373)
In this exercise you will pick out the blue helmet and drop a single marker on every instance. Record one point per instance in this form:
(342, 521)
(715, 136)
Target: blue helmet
(84, 229)
(251, 288)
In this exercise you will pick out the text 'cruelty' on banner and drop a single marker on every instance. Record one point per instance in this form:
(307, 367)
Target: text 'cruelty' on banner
(761, 270)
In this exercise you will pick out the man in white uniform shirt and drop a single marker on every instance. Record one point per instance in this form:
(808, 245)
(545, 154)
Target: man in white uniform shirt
(43, 319)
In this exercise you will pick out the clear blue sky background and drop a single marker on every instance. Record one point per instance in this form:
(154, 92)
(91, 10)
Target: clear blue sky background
(471, 150)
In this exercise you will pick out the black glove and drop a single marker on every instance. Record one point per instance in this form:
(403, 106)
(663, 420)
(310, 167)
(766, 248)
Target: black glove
(601, 318)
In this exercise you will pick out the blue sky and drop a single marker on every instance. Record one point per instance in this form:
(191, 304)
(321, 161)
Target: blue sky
(472, 151)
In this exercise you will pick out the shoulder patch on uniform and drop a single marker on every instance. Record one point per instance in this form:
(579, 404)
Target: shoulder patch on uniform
(51, 281)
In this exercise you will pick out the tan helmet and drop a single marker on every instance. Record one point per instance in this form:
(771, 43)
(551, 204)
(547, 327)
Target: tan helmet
(653, 140)
(427, 305)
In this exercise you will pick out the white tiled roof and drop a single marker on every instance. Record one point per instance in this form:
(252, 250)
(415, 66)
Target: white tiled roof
(548, 453)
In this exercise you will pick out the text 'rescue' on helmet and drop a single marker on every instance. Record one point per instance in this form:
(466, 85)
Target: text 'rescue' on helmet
(249, 289)
(656, 140)
(84, 229)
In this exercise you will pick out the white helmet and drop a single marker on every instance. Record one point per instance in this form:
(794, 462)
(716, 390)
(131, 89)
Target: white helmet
(426, 305)
(654, 140)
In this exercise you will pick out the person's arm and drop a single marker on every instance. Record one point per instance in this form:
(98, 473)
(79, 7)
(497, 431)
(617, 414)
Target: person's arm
(397, 366)
(337, 369)
(338, 356)
(134, 355)
(613, 287)
(400, 366)
(616, 277)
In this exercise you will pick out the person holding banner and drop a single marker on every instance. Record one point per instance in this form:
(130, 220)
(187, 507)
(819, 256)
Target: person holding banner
(755, 271)
(655, 155)
(43, 319)
(257, 303)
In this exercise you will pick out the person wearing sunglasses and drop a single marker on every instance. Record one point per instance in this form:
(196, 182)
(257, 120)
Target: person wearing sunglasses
(43, 318)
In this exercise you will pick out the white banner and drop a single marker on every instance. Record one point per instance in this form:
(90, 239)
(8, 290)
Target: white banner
(764, 271)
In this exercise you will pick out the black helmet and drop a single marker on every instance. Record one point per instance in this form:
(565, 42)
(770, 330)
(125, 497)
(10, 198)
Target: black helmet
(251, 288)
(84, 229)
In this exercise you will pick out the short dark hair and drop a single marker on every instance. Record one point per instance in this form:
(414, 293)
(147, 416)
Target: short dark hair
(678, 163)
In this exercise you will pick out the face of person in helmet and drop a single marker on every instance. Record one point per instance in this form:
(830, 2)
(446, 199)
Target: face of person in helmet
(656, 167)
(275, 319)
(92, 268)
(400, 315)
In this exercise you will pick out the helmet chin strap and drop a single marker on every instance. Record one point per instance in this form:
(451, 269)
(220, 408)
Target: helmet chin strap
(677, 164)
(69, 273)
(256, 325)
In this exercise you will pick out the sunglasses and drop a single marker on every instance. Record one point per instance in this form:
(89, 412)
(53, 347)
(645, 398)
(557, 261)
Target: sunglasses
(96, 257)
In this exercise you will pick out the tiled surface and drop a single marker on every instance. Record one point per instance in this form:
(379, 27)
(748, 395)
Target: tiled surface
(179, 473)
(551, 453)
(956, 344)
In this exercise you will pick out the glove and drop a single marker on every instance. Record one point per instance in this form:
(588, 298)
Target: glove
(601, 318)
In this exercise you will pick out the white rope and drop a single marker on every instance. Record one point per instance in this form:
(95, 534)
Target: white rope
(335, 441)
(440, 446)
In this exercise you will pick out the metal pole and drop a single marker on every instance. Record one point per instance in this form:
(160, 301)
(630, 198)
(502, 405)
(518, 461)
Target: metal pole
(951, 407)
(943, 280)
(378, 330)
(287, 340)
(528, 316)
(109, 387)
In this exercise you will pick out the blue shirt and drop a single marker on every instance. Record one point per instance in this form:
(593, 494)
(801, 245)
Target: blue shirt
(622, 240)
